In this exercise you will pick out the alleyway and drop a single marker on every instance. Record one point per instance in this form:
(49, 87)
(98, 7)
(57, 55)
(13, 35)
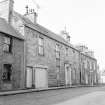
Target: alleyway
(52, 97)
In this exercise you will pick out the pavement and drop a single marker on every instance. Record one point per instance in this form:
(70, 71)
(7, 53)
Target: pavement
(4, 93)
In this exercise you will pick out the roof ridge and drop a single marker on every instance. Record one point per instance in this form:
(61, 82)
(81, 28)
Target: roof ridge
(47, 31)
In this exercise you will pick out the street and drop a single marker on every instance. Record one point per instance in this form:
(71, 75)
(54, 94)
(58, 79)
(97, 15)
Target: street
(70, 96)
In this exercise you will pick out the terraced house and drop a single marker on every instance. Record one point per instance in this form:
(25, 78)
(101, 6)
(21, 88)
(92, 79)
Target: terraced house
(50, 59)
(11, 58)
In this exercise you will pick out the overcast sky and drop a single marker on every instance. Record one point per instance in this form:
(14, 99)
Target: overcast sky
(84, 19)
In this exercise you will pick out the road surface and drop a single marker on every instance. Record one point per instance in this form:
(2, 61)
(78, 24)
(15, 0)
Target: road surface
(71, 96)
(94, 98)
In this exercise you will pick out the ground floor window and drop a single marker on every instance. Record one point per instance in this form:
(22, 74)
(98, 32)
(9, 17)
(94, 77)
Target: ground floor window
(7, 72)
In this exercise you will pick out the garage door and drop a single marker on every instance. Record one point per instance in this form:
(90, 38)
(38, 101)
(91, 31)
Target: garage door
(41, 78)
(29, 78)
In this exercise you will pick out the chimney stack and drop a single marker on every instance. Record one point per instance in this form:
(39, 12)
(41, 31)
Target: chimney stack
(31, 15)
(6, 9)
(65, 35)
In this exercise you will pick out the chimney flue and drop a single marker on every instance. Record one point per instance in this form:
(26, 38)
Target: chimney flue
(65, 35)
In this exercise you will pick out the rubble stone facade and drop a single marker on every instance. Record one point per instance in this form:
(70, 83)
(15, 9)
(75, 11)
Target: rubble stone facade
(11, 62)
(63, 64)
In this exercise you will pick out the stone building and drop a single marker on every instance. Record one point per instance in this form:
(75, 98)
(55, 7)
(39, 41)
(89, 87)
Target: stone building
(50, 60)
(48, 56)
(88, 65)
(11, 58)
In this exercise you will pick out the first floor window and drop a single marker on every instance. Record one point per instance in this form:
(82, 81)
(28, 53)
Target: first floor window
(58, 71)
(67, 51)
(7, 44)
(41, 46)
(58, 67)
(57, 51)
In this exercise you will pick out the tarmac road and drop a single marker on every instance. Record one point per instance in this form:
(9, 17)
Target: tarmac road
(70, 96)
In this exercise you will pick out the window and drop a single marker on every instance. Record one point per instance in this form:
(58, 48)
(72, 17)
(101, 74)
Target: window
(7, 72)
(7, 44)
(94, 66)
(57, 60)
(90, 65)
(57, 52)
(73, 51)
(41, 46)
(67, 52)
(85, 64)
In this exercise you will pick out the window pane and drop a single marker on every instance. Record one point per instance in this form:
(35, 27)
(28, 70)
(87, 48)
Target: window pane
(57, 55)
(6, 47)
(57, 62)
(58, 69)
(90, 66)
(94, 66)
(85, 64)
(41, 50)
(66, 51)
(41, 41)
(7, 40)
(57, 48)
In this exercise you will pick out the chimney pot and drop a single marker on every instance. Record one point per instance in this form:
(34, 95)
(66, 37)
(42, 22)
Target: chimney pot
(27, 9)
(31, 14)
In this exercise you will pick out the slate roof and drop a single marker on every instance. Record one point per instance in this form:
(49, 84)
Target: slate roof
(47, 32)
(9, 30)
(44, 31)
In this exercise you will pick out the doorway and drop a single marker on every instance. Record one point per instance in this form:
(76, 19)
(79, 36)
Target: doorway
(68, 74)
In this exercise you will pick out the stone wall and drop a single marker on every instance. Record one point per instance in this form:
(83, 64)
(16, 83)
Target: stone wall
(16, 59)
(49, 58)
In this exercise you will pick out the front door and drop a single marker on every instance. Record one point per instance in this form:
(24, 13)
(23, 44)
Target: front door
(29, 77)
(68, 74)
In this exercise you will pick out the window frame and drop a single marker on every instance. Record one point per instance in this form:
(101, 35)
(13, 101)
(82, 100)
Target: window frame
(8, 44)
(67, 51)
(57, 51)
(41, 46)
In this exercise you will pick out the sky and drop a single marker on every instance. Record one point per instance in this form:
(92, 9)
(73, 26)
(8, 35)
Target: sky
(84, 20)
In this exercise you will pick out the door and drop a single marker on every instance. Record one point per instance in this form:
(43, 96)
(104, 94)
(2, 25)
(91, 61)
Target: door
(86, 78)
(29, 78)
(68, 74)
(41, 78)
